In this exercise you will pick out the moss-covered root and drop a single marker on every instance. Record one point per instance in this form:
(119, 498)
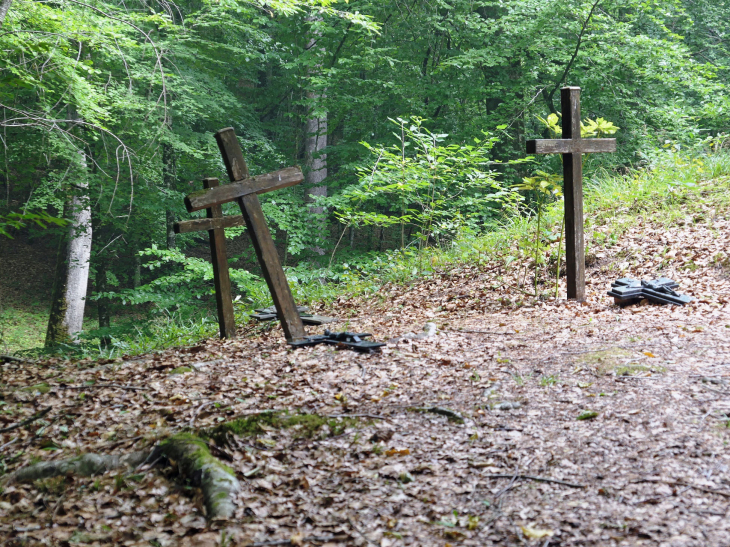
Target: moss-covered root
(217, 481)
(86, 465)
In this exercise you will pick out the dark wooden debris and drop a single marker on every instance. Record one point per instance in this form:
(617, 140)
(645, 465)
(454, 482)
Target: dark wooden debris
(660, 291)
(268, 314)
(572, 146)
(342, 340)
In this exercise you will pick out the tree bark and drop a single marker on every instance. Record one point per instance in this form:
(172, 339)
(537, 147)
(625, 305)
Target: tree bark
(168, 179)
(4, 8)
(137, 280)
(102, 305)
(72, 266)
(315, 141)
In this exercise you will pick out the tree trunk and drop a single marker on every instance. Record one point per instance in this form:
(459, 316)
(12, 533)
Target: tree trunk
(168, 178)
(315, 141)
(4, 7)
(102, 307)
(72, 266)
(137, 280)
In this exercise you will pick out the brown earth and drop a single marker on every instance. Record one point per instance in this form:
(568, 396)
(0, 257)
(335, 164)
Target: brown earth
(649, 463)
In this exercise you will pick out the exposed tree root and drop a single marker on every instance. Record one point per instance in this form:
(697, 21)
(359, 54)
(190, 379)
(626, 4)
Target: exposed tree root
(189, 453)
(86, 466)
(195, 462)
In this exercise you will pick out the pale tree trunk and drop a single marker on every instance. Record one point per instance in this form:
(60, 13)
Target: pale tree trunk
(315, 141)
(4, 8)
(72, 266)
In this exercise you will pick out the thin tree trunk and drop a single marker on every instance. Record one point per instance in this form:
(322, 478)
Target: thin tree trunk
(102, 286)
(72, 266)
(137, 281)
(315, 142)
(168, 179)
(4, 8)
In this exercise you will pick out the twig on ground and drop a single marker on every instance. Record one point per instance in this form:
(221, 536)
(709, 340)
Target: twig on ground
(57, 507)
(122, 441)
(362, 535)
(117, 386)
(9, 443)
(364, 370)
(482, 332)
(679, 483)
(450, 414)
(197, 412)
(27, 421)
(532, 478)
(11, 358)
(373, 416)
(310, 539)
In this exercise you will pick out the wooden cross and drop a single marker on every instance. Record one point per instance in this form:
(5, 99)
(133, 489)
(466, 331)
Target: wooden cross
(244, 190)
(572, 147)
(215, 224)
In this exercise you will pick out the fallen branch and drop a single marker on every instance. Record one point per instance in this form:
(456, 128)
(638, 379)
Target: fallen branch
(117, 386)
(452, 415)
(533, 478)
(373, 416)
(482, 332)
(301, 541)
(27, 421)
(10, 358)
(678, 483)
(8, 443)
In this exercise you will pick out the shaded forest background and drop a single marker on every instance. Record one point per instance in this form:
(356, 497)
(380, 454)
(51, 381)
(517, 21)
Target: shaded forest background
(405, 116)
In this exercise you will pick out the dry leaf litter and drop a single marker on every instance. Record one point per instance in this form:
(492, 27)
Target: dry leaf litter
(516, 423)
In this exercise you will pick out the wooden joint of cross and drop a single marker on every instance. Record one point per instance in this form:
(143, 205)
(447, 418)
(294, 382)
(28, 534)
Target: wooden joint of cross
(244, 190)
(572, 146)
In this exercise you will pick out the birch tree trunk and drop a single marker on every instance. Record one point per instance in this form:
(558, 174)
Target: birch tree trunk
(315, 141)
(72, 266)
(4, 8)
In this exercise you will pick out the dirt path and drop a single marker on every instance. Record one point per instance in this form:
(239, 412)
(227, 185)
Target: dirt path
(649, 464)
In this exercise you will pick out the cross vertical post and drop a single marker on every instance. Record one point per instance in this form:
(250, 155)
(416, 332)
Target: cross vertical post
(221, 277)
(261, 238)
(575, 253)
(572, 146)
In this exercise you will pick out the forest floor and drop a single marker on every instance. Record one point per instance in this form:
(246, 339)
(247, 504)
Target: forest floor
(520, 422)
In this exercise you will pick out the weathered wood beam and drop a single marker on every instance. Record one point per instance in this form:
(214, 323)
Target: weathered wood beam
(570, 146)
(201, 224)
(260, 184)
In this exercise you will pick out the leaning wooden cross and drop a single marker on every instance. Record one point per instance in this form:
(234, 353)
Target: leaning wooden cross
(244, 190)
(572, 147)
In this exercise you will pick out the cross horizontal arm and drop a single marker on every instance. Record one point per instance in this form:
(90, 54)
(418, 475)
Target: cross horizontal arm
(202, 199)
(570, 146)
(201, 224)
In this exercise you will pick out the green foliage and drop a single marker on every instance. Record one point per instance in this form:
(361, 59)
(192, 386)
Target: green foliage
(429, 188)
(20, 220)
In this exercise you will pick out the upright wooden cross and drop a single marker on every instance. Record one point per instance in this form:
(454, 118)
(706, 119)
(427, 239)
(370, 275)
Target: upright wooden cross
(572, 147)
(215, 224)
(244, 190)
